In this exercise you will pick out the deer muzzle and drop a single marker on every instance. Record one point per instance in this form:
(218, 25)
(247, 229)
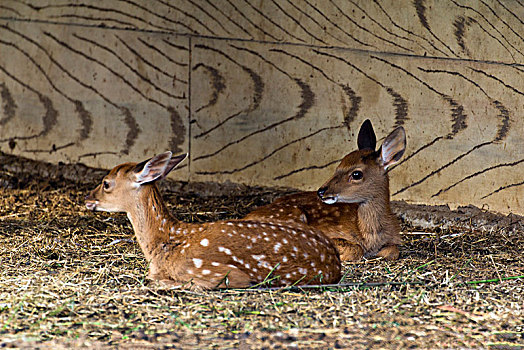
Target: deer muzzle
(91, 203)
(326, 198)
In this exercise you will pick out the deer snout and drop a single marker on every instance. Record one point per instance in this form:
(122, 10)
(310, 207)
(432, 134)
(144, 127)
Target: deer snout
(91, 202)
(326, 198)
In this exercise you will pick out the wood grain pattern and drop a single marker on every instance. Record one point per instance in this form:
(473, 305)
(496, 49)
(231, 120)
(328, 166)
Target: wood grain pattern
(92, 96)
(463, 130)
(273, 92)
(480, 30)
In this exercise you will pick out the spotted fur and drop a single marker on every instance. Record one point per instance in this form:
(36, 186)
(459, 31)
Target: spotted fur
(233, 253)
(354, 213)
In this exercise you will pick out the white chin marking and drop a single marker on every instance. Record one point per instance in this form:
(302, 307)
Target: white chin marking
(109, 210)
(96, 207)
(91, 206)
(329, 200)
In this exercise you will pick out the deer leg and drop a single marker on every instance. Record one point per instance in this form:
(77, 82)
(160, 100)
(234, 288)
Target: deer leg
(348, 251)
(231, 278)
(389, 252)
(156, 274)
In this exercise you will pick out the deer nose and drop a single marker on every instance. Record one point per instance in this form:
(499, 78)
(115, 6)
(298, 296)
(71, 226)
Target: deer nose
(321, 191)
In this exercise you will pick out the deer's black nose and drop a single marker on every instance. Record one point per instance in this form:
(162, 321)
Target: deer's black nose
(321, 192)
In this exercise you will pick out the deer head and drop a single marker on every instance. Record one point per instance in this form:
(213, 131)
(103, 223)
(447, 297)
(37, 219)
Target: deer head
(362, 174)
(120, 189)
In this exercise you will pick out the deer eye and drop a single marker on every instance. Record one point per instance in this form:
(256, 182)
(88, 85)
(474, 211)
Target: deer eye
(106, 184)
(357, 175)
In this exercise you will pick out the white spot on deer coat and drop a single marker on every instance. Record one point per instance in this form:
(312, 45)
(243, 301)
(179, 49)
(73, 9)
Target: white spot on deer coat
(264, 264)
(197, 262)
(204, 242)
(224, 250)
(214, 263)
(277, 247)
(206, 272)
(258, 257)
(238, 260)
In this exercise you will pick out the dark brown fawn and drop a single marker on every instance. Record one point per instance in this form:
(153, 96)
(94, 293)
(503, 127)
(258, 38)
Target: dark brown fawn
(233, 253)
(352, 208)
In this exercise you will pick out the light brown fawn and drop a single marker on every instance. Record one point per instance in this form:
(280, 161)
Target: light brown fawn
(352, 208)
(233, 253)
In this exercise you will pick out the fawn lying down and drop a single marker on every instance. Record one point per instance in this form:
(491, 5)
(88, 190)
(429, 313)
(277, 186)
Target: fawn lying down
(233, 253)
(352, 208)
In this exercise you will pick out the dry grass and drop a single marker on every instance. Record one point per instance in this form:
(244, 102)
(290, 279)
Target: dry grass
(73, 278)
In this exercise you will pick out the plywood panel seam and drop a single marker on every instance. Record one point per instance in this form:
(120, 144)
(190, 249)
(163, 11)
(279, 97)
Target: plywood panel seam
(189, 110)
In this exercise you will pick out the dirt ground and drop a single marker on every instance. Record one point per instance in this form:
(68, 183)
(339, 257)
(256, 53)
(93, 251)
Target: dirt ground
(73, 278)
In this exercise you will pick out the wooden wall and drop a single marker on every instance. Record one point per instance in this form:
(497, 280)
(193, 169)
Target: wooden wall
(273, 92)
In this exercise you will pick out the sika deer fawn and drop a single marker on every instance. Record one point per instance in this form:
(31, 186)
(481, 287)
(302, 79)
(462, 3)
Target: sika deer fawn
(233, 253)
(352, 208)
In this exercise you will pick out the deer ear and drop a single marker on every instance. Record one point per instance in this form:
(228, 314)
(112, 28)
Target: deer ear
(152, 169)
(173, 162)
(366, 136)
(393, 147)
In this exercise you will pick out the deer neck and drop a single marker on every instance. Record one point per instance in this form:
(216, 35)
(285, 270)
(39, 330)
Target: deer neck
(152, 222)
(373, 216)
